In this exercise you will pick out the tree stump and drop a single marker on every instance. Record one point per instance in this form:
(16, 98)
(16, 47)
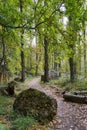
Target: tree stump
(8, 90)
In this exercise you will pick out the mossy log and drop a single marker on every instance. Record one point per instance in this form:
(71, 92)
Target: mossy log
(36, 104)
(75, 98)
(83, 93)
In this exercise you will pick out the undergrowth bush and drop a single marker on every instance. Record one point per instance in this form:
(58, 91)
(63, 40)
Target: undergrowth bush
(77, 85)
(20, 122)
(66, 85)
(3, 127)
(5, 102)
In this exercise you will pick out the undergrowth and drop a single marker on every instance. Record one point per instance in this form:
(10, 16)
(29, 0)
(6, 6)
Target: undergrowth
(10, 119)
(20, 122)
(8, 116)
(5, 103)
(66, 85)
(21, 85)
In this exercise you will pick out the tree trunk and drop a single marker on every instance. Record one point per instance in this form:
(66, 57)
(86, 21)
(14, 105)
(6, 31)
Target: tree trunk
(79, 64)
(3, 66)
(36, 72)
(59, 66)
(22, 51)
(71, 63)
(84, 56)
(22, 61)
(4, 57)
(46, 67)
(55, 63)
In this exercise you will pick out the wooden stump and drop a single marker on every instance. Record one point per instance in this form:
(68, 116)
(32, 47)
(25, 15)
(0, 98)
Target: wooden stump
(9, 90)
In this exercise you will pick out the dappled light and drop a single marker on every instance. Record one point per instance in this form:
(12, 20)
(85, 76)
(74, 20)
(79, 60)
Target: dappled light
(43, 65)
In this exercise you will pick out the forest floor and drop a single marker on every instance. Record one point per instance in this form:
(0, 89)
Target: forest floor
(70, 116)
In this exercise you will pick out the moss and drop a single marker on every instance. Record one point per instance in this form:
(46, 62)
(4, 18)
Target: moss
(37, 104)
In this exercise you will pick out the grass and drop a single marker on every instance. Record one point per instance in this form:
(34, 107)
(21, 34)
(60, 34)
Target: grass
(20, 122)
(5, 107)
(5, 103)
(12, 119)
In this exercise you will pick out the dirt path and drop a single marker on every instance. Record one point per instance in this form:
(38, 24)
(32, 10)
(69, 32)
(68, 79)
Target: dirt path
(70, 116)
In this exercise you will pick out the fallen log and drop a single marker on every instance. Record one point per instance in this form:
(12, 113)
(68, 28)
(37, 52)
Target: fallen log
(83, 93)
(75, 98)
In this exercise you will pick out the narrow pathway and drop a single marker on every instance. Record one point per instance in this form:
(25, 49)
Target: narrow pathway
(70, 116)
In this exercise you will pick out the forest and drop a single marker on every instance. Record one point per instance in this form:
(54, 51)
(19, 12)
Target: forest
(43, 64)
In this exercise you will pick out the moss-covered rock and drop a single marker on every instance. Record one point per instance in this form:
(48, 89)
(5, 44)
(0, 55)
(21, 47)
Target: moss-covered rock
(37, 104)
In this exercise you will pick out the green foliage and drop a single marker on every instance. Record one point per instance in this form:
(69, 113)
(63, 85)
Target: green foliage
(3, 127)
(32, 71)
(4, 103)
(17, 121)
(65, 84)
(41, 18)
(21, 122)
(68, 86)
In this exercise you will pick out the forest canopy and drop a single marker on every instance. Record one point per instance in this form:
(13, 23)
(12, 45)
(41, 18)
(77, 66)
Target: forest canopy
(37, 36)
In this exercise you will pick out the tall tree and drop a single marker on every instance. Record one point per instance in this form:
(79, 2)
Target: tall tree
(46, 62)
(22, 46)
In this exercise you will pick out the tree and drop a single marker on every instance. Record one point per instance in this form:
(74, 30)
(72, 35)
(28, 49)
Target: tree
(42, 20)
(74, 13)
(22, 46)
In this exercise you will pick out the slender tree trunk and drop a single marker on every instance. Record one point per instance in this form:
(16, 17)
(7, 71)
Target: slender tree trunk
(4, 57)
(3, 65)
(36, 72)
(59, 66)
(22, 51)
(84, 55)
(22, 61)
(46, 67)
(52, 61)
(71, 63)
(79, 58)
(55, 63)
(35, 16)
